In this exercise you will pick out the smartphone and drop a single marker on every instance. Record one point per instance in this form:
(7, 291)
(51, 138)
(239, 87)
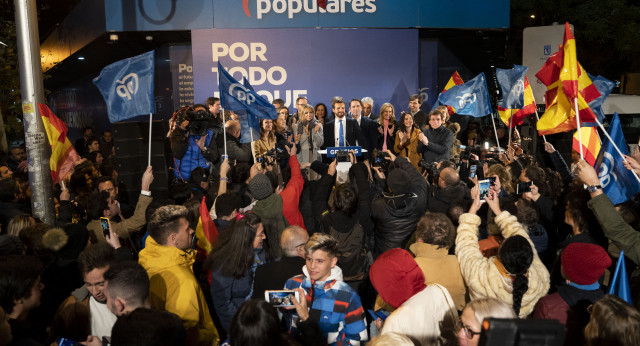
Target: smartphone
(66, 342)
(484, 186)
(492, 181)
(382, 314)
(523, 187)
(472, 171)
(281, 298)
(104, 222)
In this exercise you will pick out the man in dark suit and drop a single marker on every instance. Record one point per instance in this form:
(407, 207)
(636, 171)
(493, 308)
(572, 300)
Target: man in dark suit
(368, 127)
(350, 129)
(419, 117)
(367, 108)
(273, 275)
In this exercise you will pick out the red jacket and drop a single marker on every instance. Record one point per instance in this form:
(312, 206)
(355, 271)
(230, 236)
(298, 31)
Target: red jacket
(291, 194)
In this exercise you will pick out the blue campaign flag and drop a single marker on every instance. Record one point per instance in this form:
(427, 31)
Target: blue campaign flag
(127, 87)
(470, 98)
(620, 282)
(618, 183)
(236, 97)
(511, 82)
(605, 87)
(249, 124)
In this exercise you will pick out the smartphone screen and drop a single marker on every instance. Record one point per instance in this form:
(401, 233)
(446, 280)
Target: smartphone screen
(280, 298)
(472, 171)
(484, 186)
(104, 222)
(523, 187)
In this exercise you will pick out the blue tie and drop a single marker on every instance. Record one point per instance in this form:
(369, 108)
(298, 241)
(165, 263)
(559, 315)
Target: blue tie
(341, 135)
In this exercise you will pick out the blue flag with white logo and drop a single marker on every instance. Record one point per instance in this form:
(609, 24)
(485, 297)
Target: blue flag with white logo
(127, 87)
(620, 283)
(618, 183)
(248, 122)
(511, 82)
(235, 96)
(605, 87)
(470, 98)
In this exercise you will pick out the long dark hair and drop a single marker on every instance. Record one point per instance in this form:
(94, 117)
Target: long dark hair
(256, 323)
(516, 255)
(232, 252)
(403, 128)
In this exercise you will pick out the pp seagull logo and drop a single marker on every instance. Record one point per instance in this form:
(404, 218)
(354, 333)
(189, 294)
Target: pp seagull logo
(245, 7)
(127, 86)
(466, 99)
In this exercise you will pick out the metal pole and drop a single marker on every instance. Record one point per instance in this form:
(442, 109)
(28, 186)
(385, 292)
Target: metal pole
(38, 149)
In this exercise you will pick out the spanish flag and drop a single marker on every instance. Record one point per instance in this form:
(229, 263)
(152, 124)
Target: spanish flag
(590, 144)
(514, 117)
(63, 155)
(566, 81)
(453, 81)
(206, 231)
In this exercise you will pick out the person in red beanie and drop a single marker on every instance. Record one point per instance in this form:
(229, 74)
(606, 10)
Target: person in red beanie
(423, 312)
(582, 265)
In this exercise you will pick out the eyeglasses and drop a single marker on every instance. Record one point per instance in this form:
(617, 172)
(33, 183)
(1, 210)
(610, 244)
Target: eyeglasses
(468, 331)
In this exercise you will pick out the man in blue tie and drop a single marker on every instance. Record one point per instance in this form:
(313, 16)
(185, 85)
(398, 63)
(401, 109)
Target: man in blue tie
(342, 131)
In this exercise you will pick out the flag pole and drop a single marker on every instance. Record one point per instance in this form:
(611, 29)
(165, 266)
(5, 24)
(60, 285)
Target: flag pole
(493, 121)
(253, 151)
(537, 116)
(575, 103)
(615, 146)
(150, 124)
(509, 125)
(224, 132)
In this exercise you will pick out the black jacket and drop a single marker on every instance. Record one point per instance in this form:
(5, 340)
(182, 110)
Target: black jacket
(440, 142)
(441, 199)
(240, 152)
(396, 216)
(352, 133)
(273, 275)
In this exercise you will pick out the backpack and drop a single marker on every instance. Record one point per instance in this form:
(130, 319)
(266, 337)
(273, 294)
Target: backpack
(353, 257)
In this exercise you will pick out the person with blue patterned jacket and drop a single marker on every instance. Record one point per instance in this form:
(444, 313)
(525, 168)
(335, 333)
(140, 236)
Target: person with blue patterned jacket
(334, 305)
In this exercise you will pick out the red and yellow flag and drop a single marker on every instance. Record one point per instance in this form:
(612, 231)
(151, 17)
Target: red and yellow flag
(590, 144)
(453, 81)
(566, 81)
(514, 117)
(63, 155)
(206, 231)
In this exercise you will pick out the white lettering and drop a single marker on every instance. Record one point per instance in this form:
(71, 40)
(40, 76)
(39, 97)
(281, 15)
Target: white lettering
(313, 8)
(257, 51)
(357, 5)
(252, 76)
(263, 9)
(184, 67)
(343, 6)
(234, 47)
(333, 6)
(371, 6)
(295, 6)
(283, 75)
(282, 6)
(219, 49)
(243, 72)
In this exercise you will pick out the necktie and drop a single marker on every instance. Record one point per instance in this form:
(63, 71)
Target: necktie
(341, 135)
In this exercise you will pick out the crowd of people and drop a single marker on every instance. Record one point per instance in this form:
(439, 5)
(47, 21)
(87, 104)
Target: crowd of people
(414, 241)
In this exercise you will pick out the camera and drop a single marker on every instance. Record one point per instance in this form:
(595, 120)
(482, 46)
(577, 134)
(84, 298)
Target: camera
(342, 156)
(198, 121)
(466, 152)
(379, 160)
(432, 170)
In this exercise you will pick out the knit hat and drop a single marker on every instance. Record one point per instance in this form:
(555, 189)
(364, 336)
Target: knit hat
(260, 187)
(584, 263)
(396, 276)
(67, 243)
(10, 245)
(399, 182)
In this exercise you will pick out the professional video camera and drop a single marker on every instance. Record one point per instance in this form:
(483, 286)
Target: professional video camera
(466, 152)
(198, 121)
(279, 152)
(432, 170)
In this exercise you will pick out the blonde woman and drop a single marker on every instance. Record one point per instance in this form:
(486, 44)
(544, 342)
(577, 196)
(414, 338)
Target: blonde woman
(267, 139)
(387, 127)
(311, 138)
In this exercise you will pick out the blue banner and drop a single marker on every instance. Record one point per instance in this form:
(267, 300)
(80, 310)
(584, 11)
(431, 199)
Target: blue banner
(127, 87)
(316, 63)
(511, 82)
(605, 87)
(618, 183)
(332, 151)
(236, 97)
(470, 98)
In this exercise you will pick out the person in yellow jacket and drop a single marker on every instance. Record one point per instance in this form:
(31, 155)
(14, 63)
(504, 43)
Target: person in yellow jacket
(168, 259)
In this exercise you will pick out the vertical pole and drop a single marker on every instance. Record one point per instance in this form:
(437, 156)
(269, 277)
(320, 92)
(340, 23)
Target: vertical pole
(32, 89)
(496, 133)
(224, 133)
(150, 124)
(575, 102)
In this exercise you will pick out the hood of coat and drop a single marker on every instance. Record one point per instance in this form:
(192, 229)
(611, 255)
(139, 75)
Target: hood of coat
(155, 257)
(336, 275)
(401, 205)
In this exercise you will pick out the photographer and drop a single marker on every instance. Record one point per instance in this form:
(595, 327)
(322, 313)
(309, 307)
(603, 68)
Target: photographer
(396, 213)
(447, 190)
(193, 142)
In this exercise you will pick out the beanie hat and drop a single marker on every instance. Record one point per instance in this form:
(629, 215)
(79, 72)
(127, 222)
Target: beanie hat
(260, 187)
(396, 276)
(67, 243)
(584, 263)
(10, 245)
(399, 182)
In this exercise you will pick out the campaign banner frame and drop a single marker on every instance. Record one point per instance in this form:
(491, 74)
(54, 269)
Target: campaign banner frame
(316, 63)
